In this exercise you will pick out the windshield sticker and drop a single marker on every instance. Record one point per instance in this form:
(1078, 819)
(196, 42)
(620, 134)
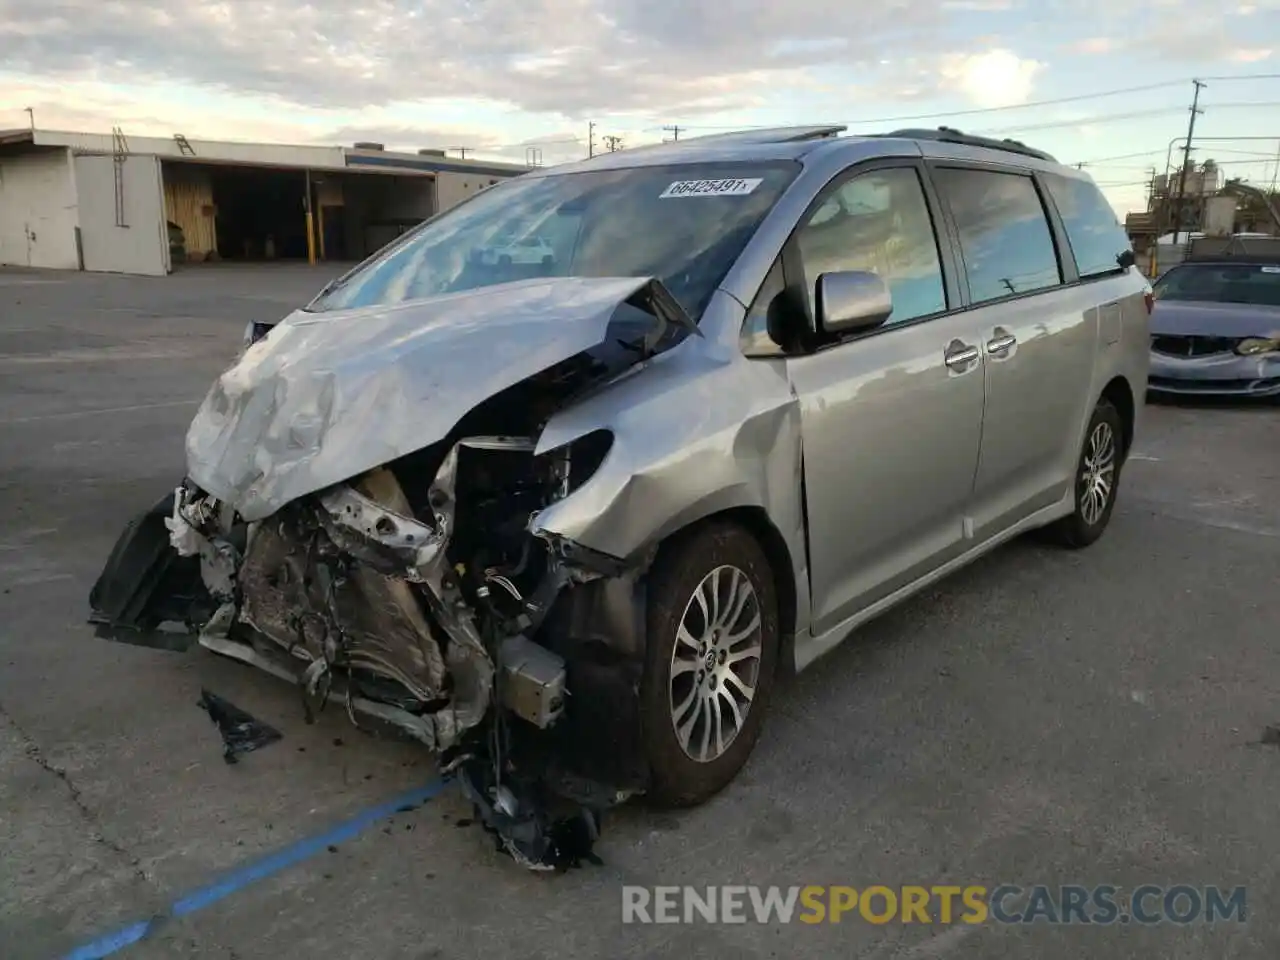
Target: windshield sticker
(1271, 269)
(710, 188)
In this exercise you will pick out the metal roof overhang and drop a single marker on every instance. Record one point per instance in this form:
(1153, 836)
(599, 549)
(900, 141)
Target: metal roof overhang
(428, 165)
(300, 167)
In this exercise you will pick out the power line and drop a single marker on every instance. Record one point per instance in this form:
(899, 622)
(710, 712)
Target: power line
(1075, 98)
(1241, 76)
(1123, 156)
(1100, 161)
(530, 143)
(1112, 117)
(1265, 159)
(978, 111)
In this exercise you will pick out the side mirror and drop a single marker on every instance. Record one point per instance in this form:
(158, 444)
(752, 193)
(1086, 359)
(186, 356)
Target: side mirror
(851, 301)
(1127, 259)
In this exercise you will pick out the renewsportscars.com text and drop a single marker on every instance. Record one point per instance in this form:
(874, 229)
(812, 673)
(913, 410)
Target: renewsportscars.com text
(974, 904)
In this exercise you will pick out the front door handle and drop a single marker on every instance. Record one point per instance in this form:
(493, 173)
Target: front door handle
(959, 355)
(1001, 344)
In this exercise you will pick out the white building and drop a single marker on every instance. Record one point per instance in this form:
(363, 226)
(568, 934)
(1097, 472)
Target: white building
(142, 205)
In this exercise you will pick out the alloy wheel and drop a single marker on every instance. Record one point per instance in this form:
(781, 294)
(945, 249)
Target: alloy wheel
(715, 663)
(1097, 474)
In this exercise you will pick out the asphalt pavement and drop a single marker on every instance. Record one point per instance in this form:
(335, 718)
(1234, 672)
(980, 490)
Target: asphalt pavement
(1043, 717)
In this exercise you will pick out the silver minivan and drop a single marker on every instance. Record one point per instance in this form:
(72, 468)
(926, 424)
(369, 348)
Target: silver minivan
(566, 521)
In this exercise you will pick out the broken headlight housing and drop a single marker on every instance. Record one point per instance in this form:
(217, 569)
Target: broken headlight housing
(576, 462)
(1252, 346)
(254, 331)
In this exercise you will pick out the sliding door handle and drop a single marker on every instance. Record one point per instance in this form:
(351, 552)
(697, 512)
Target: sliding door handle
(960, 355)
(1001, 344)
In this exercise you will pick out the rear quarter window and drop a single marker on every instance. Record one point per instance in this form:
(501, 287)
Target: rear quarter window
(1094, 232)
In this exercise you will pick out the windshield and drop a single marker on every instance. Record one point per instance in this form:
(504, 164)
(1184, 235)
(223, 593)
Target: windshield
(1251, 283)
(684, 224)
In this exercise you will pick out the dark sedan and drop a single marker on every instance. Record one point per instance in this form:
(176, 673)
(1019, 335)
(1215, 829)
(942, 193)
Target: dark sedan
(1215, 329)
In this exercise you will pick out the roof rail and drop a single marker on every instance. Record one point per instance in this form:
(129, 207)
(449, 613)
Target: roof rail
(770, 135)
(951, 135)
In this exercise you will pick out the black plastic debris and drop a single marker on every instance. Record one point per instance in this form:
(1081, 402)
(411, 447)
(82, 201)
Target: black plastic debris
(241, 733)
(573, 840)
(524, 826)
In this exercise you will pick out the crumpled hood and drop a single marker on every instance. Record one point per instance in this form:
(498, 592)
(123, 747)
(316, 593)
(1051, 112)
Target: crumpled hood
(327, 396)
(1183, 318)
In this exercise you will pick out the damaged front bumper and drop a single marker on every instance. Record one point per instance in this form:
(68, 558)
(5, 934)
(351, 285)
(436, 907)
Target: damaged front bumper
(354, 599)
(357, 523)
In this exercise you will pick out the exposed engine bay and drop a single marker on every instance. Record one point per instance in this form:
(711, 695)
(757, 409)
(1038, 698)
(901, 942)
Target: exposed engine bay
(418, 594)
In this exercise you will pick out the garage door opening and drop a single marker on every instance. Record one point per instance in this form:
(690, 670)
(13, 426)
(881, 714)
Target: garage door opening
(261, 214)
(256, 214)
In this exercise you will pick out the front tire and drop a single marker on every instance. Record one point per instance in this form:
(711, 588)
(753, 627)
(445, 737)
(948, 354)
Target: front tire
(1097, 479)
(710, 661)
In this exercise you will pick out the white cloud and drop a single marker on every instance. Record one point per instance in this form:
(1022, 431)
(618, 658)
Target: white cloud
(1251, 54)
(1094, 45)
(569, 56)
(997, 78)
(1124, 200)
(980, 6)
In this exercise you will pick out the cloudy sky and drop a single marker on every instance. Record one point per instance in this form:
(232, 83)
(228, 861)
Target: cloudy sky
(497, 75)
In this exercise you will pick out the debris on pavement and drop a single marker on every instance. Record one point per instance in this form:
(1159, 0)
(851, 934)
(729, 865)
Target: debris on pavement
(241, 733)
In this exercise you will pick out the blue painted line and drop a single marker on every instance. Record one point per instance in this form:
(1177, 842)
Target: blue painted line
(251, 873)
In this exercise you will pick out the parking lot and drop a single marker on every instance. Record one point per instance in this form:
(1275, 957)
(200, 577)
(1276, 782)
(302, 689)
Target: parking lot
(1044, 717)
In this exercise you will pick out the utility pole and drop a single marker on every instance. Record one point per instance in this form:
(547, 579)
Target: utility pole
(31, 115)
(1186, 160)
(613, 143)
(462, 151)
(674, 131)
(591, 139)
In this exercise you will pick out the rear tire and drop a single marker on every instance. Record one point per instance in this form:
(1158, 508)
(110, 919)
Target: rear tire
(708, 676)
(1097, 479)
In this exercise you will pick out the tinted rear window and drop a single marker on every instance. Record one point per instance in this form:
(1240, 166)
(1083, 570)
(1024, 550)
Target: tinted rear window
(1096, 236)
(1249, 283)
(1004, 235)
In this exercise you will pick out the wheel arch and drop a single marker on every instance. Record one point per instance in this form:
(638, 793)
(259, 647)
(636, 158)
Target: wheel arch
(1120, 394)
(756, 522)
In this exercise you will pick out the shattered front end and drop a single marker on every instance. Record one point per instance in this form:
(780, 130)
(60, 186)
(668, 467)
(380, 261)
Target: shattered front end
(420, 592)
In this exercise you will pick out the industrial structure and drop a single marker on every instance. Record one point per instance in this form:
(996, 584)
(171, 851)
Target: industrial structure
(1197, 202)
(141, 205)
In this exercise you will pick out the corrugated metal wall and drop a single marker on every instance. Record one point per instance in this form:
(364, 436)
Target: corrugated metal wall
(138, 242)
(188, 202)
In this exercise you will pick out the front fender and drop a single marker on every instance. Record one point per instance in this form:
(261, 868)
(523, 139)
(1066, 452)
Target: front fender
(695, 433)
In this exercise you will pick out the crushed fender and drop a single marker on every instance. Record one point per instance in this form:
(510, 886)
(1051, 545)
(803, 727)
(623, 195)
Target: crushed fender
(241, 733)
